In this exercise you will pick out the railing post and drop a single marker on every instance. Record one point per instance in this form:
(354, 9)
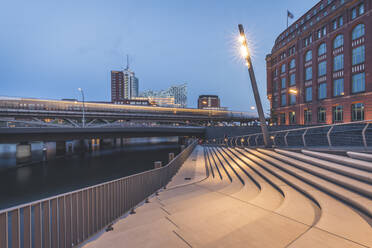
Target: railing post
(303, 137)
(256, 139)
(273, 139)
(329, 137)
(249, 143)
(285, 138)
(236, 141)
(364, 135)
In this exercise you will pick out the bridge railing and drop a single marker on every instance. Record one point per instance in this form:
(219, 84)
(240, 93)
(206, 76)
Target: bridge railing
(67, 220)
(352, 134)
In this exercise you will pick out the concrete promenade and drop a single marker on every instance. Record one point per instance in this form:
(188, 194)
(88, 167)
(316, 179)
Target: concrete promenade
(253, 198)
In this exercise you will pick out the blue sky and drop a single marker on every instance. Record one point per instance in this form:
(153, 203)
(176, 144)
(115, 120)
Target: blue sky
(50, 48)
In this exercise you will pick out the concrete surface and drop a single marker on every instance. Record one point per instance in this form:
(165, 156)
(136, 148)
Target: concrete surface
(237, 197)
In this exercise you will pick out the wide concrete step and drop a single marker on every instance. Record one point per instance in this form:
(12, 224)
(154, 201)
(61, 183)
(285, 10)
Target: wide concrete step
(296, 204)
(345, 170)
(363, 165)
(343, 222)
(362, 188)
(360, 156)
(358, 202)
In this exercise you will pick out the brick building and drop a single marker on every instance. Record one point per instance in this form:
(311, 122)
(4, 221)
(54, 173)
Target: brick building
(319, 70)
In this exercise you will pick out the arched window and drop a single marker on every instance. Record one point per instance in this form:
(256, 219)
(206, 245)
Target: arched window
(308, 56)
(283, 68)
(358, 31)
(338, 41)
(322, 49)
(292, 64)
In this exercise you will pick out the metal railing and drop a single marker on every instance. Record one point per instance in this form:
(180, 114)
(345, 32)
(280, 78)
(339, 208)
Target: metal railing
(66, 220)
(351, 134)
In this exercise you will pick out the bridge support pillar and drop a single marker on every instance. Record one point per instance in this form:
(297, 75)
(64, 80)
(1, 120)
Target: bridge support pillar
(23, 152)
(60, 148)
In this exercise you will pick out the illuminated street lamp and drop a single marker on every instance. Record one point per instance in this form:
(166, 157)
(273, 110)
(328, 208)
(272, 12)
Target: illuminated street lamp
(82, 94)
(247, 58)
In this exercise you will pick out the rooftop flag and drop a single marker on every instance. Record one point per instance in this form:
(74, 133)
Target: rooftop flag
(289, 15)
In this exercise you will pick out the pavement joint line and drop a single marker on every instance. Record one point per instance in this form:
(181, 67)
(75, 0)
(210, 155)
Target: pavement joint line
(249, 203)
(162, 208)
(336, 235)
(172, 222)
(299, 236)
(180, 237)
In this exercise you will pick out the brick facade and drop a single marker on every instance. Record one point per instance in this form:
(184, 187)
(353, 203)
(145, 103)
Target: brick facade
(322, 24)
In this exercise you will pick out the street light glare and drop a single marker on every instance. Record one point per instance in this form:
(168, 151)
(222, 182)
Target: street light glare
(293, 91)
(244, 51)
(242, 39)
(79, 89)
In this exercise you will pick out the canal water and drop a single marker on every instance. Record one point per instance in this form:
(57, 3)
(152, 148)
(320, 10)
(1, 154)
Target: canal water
(41, 180)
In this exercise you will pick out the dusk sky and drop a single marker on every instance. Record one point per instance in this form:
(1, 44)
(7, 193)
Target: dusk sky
(48, 49)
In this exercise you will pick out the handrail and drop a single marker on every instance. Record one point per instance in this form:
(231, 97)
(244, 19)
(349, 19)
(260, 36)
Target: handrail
(97, 205)
(90, 187)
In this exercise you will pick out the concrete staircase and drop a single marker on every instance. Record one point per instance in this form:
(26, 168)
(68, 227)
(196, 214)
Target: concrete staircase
(240, 197)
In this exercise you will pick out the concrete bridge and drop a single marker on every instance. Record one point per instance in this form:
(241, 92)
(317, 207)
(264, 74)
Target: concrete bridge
(245, 197)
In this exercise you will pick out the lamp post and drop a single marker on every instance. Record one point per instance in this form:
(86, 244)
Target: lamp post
(247, 57)
(82, 94)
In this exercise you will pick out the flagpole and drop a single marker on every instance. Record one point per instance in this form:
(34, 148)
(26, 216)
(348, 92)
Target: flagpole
(287, 18)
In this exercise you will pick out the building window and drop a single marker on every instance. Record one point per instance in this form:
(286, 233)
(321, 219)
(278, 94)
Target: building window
(361, 9)
(334, 24)
(338, 87)
(308, 56)
(283, 68)
(284, 83)
(275, 86)
(358, 82)
(282, 118)
(322, 49)
(292, 79)
(338, 41)
(340, 21)
(292, 99)
(308, 73)
(321, 115)
(353, 13)
(284, 100)
(359, 55)
(357, 112)
(358, 31)
(292, 117)
(308, 40)
(292, 64)
(275, 102)
(322, 68)
(338, 62)
(307, 115)
(322, 91)
(308, 94)
(338, 113)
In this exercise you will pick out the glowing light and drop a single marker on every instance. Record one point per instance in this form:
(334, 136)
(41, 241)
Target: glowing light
(293, 91)
(241, 39)
(244, 51)
(242, 140)
(253, 107)
(272, 137)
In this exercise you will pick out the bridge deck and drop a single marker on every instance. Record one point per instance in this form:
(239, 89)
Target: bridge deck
(247, 198)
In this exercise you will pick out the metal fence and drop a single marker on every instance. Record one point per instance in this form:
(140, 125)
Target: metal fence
(353, 134)
(68, 219)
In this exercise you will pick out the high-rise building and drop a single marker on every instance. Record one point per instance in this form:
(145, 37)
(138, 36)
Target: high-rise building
(124, 85)
(209, 102)
(176, 94)
(319, 70)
